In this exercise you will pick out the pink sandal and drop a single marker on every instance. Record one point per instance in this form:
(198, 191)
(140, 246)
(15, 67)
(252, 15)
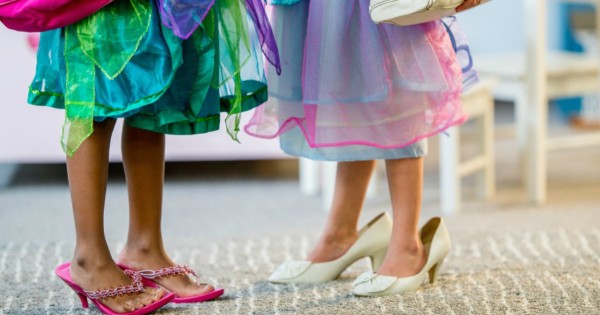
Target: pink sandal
(176, 271)
(136, 287)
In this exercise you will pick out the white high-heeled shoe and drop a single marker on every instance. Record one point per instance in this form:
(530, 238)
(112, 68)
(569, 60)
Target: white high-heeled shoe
(372, 241)
(436, 241)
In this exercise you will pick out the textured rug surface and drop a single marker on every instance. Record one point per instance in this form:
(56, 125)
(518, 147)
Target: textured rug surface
(554, 271)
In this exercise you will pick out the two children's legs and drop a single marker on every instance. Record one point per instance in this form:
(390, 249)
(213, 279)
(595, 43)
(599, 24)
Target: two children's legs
(406, 255)
(92, 266)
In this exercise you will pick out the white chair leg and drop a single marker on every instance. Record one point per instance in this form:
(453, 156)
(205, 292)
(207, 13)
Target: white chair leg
(537, 99)
(521, 113)
(490, 153)
(309, 177)
(450, 190)
(373, 187)
(486, 178)
(328, 180)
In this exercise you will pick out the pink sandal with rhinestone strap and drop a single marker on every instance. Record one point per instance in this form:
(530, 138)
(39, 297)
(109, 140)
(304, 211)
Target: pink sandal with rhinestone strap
(136, 287)
(176, 271)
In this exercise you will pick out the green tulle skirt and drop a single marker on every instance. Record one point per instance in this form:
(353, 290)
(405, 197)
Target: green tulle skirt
(123, 63)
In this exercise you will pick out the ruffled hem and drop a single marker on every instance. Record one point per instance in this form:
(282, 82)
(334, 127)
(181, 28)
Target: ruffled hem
(167, 121)
(294, 143)
(183, 126)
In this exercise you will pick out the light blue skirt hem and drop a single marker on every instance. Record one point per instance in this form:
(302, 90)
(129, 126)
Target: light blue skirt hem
(294, 143)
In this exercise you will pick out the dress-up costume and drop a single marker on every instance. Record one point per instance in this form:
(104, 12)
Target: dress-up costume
(169, 66)
(354, 90)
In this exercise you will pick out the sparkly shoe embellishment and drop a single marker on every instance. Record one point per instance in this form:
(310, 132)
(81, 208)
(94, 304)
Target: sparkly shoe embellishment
(180, 270)
(135, 287)
(167, 272)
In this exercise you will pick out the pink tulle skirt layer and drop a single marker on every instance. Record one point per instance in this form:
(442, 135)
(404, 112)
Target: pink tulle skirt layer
(347, 81)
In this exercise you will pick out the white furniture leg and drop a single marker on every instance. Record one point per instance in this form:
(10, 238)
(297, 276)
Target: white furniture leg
(521, 111)
(328, 180)
(487, 183)
(537, 118)
(309, 177)
(478, 104)
(450, 189)
(374, 182)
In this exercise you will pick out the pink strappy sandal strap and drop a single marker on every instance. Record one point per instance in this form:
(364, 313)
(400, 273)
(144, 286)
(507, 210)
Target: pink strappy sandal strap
(152, 275)
(135, 287)
(167, 271)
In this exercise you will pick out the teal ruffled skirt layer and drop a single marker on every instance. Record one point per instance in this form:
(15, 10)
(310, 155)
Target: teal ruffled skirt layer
(123, 63)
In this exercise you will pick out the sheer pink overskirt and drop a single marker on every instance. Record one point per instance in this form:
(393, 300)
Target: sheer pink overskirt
(347, 81)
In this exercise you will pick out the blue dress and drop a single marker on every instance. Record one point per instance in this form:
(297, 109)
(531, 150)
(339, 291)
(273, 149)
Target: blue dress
(124, 62)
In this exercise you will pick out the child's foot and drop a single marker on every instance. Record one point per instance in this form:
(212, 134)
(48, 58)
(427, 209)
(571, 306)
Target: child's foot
(332, 246)
(182, 285)
(92, 275)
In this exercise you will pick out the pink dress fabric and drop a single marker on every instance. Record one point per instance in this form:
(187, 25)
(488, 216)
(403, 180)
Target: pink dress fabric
(347, 81)
(44, 15)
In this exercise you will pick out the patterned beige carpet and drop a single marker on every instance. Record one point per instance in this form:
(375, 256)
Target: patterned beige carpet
(541, 271)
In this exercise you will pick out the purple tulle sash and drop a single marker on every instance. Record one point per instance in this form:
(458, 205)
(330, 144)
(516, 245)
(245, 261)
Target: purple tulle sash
(185, 16)
(259, 16)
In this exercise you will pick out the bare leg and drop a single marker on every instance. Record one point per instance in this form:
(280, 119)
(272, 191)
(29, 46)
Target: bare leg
(406, 255)
(352, 180)
(92, 265)
(143, 158)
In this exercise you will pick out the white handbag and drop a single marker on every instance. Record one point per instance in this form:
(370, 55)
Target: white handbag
(410, 12)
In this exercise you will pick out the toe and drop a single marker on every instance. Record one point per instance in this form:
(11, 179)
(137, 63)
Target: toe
(148, 300)
(159, 294)
(206, 288)
(129, 307)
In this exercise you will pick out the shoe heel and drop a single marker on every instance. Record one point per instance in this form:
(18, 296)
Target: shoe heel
(377, 258)
(435, 271)
(84, 300)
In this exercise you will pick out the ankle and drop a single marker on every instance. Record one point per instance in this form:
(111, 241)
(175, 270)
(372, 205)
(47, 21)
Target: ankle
(409, 246)
(91, 257)
(134, 254)
(340, 236)
(88, 263)
(339, 232)
(144, 247)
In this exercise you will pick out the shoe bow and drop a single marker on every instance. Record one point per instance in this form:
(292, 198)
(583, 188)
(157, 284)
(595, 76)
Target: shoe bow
(291, 269)
(370, 282)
